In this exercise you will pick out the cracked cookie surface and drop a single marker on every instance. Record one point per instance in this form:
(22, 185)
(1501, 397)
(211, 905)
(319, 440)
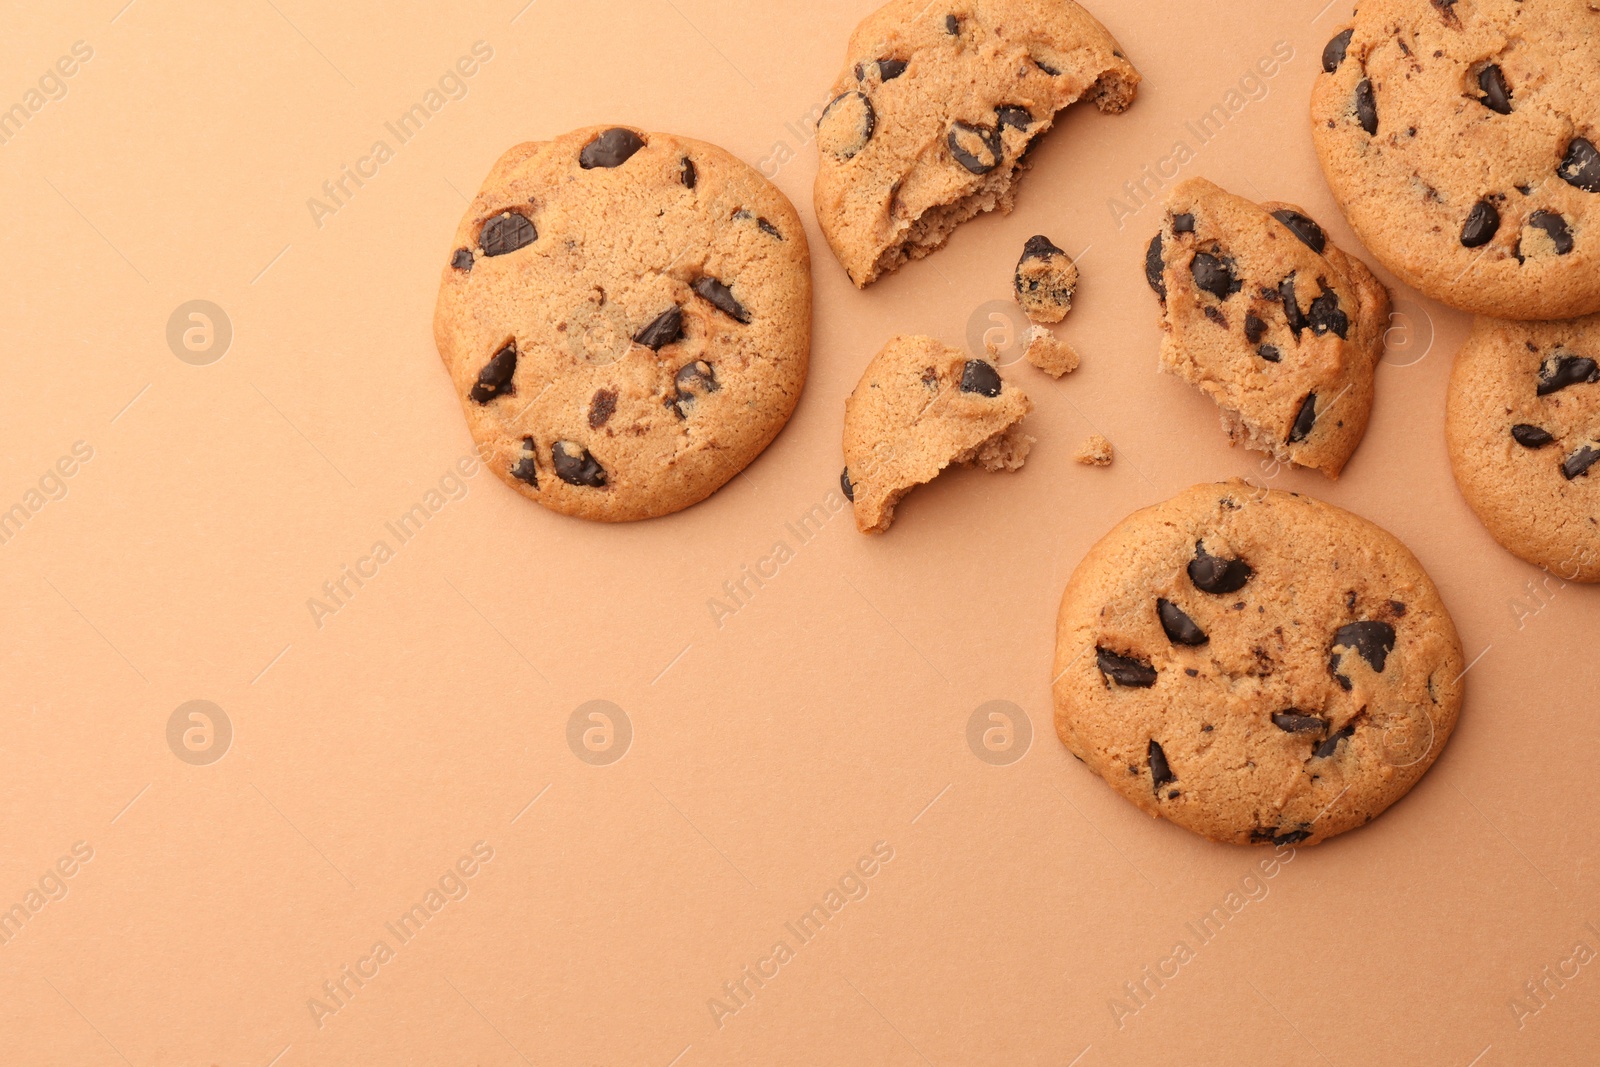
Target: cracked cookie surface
(627, 319)
(1256, 666)
(1461, 138)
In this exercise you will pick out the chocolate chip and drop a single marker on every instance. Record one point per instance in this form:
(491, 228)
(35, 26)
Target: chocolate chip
(1531, 436)
(769, 228)
(1326, 318)
(1215, 275)
(575, 466)
(1447, 8)
(1304, 228)
(1306, 421)
(1331, 745)
(847, 124)
(848, 486)
(1577, 465)
(1018, 118)
(693, 381)
(495, 378)
(890, 69)
(506, 232)
(526, 470)
(1334, 52)
(601, 407)
(977, 148)
(1254, 328)
(1580, 167)
(1181, 630)
(1039, 247)
(1183, 223)
(1125, 671)
(1293, 837)
(1294, 721)
(952, 25)
(1372, 641)
(1154, 265)
(1556, 227)
(980, 377)
(611, 149)
(1560, 372)
(721, 298)
(1367, 107)
(1270, 353)
(1291, 307)
(1215, 575)
(1047, 68)
(664, 330)
(1216, 316)
(462, 260)
(1496, 94)
(1481, 225)
(688, 174)
(1160, 772)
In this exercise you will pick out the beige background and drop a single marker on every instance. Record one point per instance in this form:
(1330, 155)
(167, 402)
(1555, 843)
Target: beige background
(768, 755)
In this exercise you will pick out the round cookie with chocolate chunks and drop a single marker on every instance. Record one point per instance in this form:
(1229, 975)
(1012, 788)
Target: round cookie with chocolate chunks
(930, 121)
(627, 318)
(1523, 426)
(1462, 141)
(1257, 666)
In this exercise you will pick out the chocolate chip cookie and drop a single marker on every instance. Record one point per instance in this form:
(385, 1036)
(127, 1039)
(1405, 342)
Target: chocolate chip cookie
(627, 317)
(920, 407)
(1257, 666)
(1460, 139)
(930, 121)
(1524, 433)
(1280, 328)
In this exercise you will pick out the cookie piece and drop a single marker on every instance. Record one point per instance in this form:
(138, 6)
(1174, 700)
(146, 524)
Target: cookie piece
(1460, 139)
(1280, 328)
(1523, 426)
(1049, 353)
(1257, 666)
(920, 407)
(627, 317)
(1045, 281)
(1095, 452)
(928, 124)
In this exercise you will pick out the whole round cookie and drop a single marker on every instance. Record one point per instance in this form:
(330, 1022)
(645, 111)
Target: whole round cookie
(1257, 666)
(627, 317)
(1460, 139)
(1523, 426)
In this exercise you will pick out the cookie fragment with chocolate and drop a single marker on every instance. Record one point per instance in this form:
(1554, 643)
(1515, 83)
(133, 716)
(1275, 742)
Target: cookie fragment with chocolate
(1045, 282)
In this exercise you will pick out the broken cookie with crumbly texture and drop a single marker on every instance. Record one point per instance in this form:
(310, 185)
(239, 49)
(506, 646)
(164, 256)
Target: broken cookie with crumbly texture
(1280, 328)
(920, 407)
(930, 121)
(1095, 452)
(1045, 281)
(1049, 353)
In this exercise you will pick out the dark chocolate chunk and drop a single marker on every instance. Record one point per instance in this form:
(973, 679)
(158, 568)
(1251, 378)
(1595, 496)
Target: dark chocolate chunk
(1367, 107)
(1372, 641)
(1531, 436)
(611, 149)
(1306, 421)
(1181, 630)
(1215, 275)
(1304, 228)
(1556, 227)
(1183, 223)
(495, 378)
(1580, 167)
(1326, 316)
(1040, 247)
(1331, 745)
(721, 298)
(1294, 721)
(1018, 118)
(462, 260)
(1577, 465)
(526, 470)
(1153, 267)
(666, 328)
(1447, 8)
(1481, 225)
(1215, 575)
(1160, 772)
(847, 485)
(505, 233)
(1254, 328)
(1270, 353)
(1496, 94)
(768, 228)
(575, 466)
(1047, 68)
(1291, 307)
(977, 148)
(1334, 52)
(952, 25)
(1293, 837)
(851, 107)
(890, 69)
(601, 407)
(1125, 671)
(689, 174)
(1560, 372)
(693, 381)
(980, 377)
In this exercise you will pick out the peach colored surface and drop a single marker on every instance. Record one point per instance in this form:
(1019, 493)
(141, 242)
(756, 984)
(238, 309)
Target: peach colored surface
(591, 881)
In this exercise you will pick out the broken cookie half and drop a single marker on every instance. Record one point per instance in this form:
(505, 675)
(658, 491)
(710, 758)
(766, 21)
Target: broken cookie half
(1280, 328)
(920, 407)
(938, 103)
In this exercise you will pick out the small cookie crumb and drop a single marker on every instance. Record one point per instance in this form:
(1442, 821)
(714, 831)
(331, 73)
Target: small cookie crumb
(1050, 354)
(1046, 281)
(1096, 452)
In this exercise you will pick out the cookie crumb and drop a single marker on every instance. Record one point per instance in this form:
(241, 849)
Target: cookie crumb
(1050, 354)
(1096, 452)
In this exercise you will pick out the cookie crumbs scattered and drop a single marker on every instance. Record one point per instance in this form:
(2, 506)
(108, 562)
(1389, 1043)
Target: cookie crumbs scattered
(1096, 452)
(1050, 354)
